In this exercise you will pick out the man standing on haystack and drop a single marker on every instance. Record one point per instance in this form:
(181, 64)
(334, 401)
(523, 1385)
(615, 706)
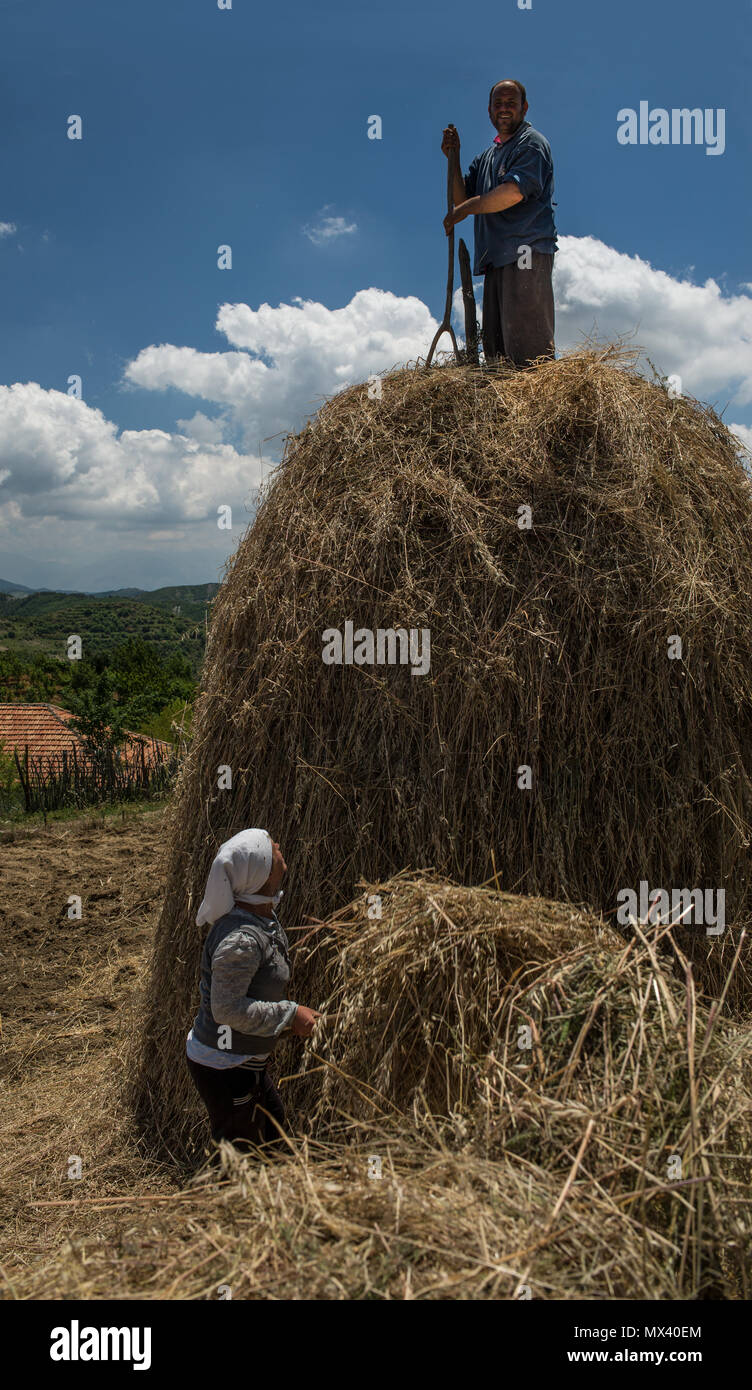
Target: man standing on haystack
(509, 191)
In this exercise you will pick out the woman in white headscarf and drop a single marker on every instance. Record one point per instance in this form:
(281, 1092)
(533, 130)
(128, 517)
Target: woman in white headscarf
(245, 971)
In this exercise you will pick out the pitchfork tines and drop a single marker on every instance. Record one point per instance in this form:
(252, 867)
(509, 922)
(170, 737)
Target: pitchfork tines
(446, 325)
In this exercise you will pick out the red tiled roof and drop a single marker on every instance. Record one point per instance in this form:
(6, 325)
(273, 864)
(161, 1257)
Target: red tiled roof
(44, 729)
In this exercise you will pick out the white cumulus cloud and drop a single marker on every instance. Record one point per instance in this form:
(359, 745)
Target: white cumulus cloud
(62, 458)
(693, 331)
(65, 468)
(291, 357)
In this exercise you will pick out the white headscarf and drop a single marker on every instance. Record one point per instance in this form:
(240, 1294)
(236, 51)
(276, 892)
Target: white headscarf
(240, 867)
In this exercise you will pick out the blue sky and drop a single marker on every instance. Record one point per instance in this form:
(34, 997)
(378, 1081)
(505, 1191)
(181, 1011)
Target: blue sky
(248, 127)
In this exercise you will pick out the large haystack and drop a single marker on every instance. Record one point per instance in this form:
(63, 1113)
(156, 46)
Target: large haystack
(549, 648)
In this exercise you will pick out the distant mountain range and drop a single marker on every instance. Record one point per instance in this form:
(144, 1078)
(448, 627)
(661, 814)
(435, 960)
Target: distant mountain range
(8, 588)
(186, 591)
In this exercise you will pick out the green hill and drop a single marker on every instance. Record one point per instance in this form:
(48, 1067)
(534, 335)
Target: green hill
(169, 624)
(171, 619)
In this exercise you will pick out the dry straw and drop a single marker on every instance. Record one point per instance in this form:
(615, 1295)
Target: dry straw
(520, 1031)
(610, 1159)
(549, 647)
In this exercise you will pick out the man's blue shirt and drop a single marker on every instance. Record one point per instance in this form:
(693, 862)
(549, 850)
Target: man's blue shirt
(526, 159)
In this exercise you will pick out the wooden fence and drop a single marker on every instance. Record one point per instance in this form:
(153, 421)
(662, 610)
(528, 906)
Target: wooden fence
(75, 778)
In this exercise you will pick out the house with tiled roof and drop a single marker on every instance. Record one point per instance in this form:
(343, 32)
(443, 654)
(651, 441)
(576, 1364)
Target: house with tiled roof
(45, 731)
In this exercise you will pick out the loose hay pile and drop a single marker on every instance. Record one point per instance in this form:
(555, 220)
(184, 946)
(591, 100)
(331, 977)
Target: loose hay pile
(414, 996)
(519, 1031)
(549, 648)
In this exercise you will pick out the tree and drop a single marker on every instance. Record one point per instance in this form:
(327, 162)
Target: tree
(173, 723)
(145, 683)
(97, 718)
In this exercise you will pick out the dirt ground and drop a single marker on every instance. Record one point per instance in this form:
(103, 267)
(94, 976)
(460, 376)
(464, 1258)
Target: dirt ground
(64, 985)
(46, 954)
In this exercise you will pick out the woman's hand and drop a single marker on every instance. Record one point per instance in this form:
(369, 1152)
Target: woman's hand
(304, 1020)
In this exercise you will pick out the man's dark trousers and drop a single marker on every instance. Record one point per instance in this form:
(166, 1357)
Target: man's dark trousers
(518, 311)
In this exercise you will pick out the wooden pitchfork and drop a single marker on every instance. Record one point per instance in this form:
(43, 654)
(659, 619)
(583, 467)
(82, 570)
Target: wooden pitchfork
(446, 324)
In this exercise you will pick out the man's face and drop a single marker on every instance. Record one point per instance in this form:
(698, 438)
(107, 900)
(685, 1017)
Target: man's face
(506, 109)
